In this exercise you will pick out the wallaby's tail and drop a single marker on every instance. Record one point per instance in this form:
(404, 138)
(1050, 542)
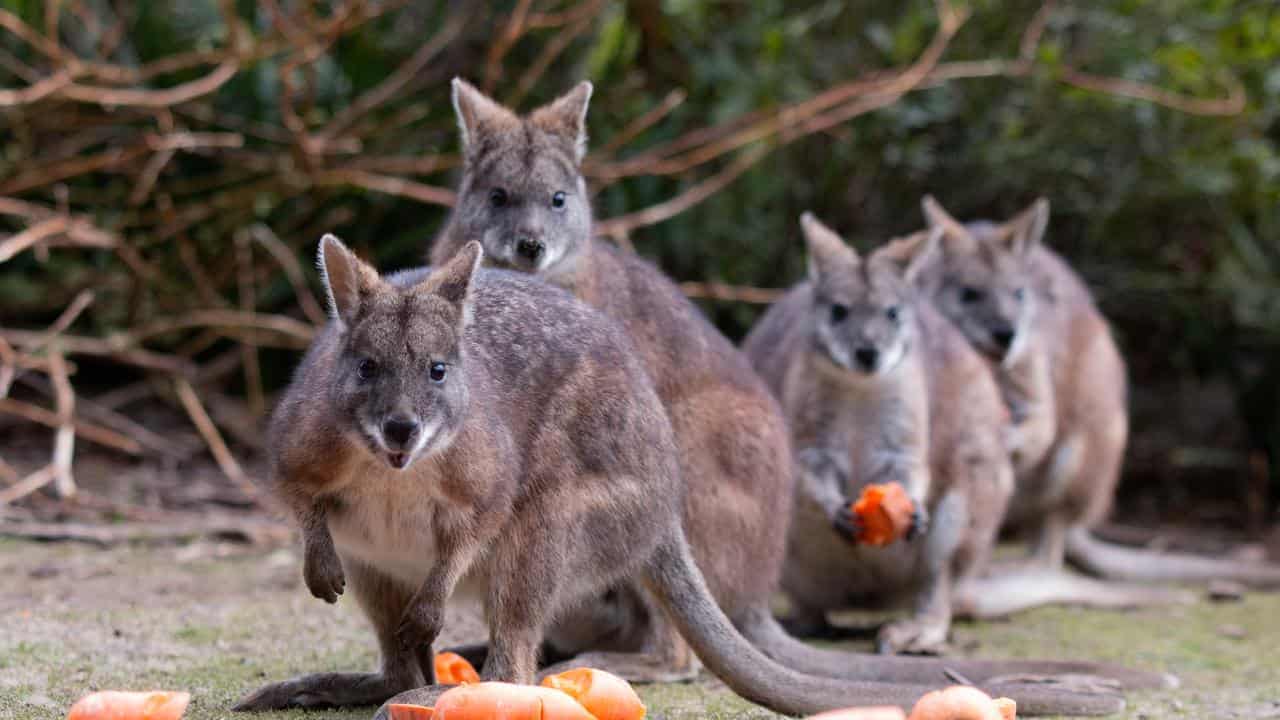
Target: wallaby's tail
(674, 579)
(763, 630)
(1005, 592)
(1117, 562)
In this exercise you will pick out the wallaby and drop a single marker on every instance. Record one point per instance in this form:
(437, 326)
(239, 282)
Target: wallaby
(523, 196)
(878, 387)
(469, 433)
(1064, 381)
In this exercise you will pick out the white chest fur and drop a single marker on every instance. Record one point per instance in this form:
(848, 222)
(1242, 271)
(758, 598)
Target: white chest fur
(386, 522)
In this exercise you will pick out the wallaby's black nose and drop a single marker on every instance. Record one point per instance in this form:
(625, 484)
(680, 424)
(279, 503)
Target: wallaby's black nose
(399, 431)
(1003, 337)
(867, 357)
(529, 248)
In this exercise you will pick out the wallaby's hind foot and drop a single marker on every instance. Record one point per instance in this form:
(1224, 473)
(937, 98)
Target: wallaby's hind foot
(1117, 562)
(1005, 592)
(914, 636)
(640, 668)
(323, 690)
(424, 696)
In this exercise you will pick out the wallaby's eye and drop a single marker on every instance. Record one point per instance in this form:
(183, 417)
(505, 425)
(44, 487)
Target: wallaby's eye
(839, 312)
(557, 201)
(437, 372)
(1019, 294)
(970, 294)
(892, 313)
(497, 197)
(367, 369)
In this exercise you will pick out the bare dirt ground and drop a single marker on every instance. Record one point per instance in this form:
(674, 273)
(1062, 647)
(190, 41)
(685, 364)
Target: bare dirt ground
(220, 618)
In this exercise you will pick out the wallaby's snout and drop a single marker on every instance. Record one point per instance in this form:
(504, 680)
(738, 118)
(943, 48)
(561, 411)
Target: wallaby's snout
(1003, 337)
(867, 358)
(530, 248)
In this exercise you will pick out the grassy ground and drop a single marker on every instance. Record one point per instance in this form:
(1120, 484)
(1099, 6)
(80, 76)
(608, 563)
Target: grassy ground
(219, 619)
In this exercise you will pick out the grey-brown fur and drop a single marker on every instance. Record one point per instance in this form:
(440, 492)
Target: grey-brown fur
(1064, 381)
(878, 387)
(546, 473)
(733, 446)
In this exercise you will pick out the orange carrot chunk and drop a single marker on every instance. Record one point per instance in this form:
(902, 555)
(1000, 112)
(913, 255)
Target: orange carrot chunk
(862, 713)
(962, 703)
(453, 669)
(119, 705)
(884, 513)
(604, 695)
(411, 712)
(504, 701)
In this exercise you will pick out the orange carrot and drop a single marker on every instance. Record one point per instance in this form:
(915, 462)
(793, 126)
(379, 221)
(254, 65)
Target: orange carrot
(453, 669)
(604, 695)
(118, 705)
(862, 713)
(504, 701)
(960, 702)
(884, 512)
(410, 712)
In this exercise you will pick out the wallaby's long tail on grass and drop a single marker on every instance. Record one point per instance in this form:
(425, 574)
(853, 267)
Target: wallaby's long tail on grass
(675, 581)
(763, 630)
(1118, 562)
(1007, 591)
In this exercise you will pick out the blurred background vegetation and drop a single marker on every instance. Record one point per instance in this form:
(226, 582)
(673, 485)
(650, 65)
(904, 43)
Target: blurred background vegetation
(1152, 126)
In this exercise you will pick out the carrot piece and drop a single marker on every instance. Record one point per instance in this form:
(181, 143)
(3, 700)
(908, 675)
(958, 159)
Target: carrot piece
(884, 512)
(411, 712)
(120, 705)
(504, 701)
(960, 702)
(603, 694)
(862, 713)
(453, 669)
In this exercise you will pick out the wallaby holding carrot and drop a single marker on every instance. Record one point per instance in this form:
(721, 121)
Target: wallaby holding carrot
(523, 196)
(878, 387)
(1063, 379)
(477, 434)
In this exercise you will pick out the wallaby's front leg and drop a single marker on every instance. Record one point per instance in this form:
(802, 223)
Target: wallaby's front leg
(423, 617)
(823, 475)
(321, 567)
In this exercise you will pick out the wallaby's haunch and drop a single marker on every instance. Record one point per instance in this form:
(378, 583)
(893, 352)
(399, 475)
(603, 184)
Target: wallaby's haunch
(523, 196)
(1064, 382)
(477, 433)
(878, 387)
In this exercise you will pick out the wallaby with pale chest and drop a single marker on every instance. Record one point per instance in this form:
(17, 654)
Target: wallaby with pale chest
(878, 387)
(523, 196)
(475, 433)
(1064, 381)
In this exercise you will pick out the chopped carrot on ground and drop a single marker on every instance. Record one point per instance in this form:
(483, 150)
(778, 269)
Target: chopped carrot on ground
(962, 703)
(504, 701)
(884, 512)
(604, 695)
(410, 712)
(119, 705)
(862, 713)
(453, 669)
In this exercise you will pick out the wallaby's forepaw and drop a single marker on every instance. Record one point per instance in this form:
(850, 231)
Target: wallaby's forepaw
(915, 636)
(322, 571)
(846, 523)
(420, 625)
(919, 521)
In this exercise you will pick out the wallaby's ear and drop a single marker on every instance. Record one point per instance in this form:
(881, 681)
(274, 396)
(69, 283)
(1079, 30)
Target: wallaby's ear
(452, 280)
(954, 234)
(347, 279)
(826, 248)
(1026, 230)
(476, 111)
(566, 116)
(913, 253)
